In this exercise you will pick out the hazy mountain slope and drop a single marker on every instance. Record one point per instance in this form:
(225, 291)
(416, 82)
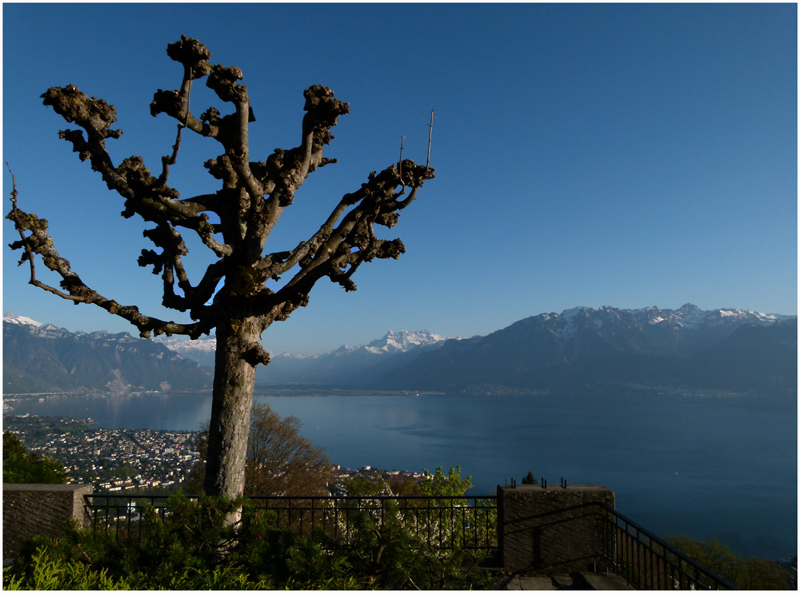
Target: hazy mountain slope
(578, 350)
(344, 366)
(44, 358)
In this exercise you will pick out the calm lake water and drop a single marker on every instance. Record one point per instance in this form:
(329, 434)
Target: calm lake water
(702, 466)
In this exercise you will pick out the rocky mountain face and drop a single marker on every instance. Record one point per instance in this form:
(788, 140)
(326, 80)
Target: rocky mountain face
(609, 349)
(40, 358)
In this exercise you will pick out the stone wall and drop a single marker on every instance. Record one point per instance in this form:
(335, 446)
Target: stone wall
(551, 530)
(39, 509)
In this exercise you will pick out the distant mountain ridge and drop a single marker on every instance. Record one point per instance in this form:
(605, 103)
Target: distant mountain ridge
(39, 358)
(346, 365)
(353, 366)
(578, 350)
(584, 349)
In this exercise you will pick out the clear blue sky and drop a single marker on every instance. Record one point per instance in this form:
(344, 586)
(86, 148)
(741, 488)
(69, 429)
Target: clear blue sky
(624, 155)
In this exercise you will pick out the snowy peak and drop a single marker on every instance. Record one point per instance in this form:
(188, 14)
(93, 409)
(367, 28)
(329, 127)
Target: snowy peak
(39, 358)
(36, 328)
(610, 350)
(689, 317)
(10, 317)
(183, 345)
(201, 350)
(402, 341)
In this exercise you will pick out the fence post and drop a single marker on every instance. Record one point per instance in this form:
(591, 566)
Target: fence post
(551, 530)
(39, 509)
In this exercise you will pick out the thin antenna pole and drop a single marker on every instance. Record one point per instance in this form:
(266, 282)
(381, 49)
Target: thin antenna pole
(430, 134)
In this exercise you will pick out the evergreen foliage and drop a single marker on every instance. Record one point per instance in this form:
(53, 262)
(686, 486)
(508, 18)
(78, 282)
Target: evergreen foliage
(742, 572)
(21, 467)
(192, 546)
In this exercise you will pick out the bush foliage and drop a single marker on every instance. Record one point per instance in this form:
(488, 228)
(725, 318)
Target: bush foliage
(190, 546)
(743, 572)
(21, 467)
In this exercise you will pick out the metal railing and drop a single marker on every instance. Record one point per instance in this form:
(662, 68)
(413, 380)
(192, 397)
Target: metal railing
(444, 522)
(643, 559)
(646, 561)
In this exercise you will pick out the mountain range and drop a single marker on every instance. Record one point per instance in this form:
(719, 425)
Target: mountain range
(353, 366)
(579, 350)
(39, 358)
(612, 349)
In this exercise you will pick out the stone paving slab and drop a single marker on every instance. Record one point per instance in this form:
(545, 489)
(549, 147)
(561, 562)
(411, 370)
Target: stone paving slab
(577, 582)
(529, 584)
(602, 582)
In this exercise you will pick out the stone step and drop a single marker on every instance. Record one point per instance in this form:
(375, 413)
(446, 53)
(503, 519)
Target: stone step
(583, 581)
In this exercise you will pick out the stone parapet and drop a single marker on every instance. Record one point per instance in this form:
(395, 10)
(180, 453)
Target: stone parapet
(551, 530)
(39, 509)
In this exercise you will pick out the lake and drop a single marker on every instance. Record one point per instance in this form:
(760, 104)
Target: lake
(701, 466)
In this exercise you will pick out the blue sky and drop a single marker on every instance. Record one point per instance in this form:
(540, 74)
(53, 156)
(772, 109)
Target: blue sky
(626, 155)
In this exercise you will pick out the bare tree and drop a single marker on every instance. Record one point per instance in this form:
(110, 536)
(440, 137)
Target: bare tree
(233, 223)
(280, 461)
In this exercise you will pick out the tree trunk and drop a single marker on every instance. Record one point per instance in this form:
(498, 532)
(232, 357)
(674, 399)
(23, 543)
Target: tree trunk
(234, 378)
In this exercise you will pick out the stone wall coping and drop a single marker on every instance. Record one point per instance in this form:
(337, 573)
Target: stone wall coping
(48, 487)
(555, 488)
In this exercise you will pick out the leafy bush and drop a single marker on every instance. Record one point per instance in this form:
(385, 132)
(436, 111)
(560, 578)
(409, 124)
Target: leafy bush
(437, 484)
(21, 467)
(43, 572)
(192, 547)
(390, 555)
(741, 571)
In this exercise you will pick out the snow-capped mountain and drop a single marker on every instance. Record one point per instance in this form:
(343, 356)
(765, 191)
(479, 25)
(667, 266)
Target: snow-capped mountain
(403, 341)
(346, 364)
(41, 358)
(680, 329)
(392, 343)
(579, 349)
(200, 350)
(586, 349)
(20, 320)
(351, 365)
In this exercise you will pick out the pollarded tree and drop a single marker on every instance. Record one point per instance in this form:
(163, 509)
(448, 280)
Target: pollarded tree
(234, 223)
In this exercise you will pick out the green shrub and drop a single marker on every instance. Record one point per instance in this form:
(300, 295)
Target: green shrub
(42, 571)
(21, 467)
(190, 546)
(741, 571)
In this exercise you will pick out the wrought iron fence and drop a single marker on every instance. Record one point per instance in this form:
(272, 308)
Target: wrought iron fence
(648, 562)
(444, 522)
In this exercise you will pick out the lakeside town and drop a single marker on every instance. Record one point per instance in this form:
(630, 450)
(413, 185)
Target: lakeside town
(130, 460)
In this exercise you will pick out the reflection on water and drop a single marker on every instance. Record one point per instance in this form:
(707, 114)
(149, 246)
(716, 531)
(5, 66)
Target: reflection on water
(700, 466)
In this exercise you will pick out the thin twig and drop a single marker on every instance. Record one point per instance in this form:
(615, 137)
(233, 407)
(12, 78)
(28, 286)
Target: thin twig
(14, 186)
(85, 555)
(430, 134)
(28, 250)
(402, 138)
